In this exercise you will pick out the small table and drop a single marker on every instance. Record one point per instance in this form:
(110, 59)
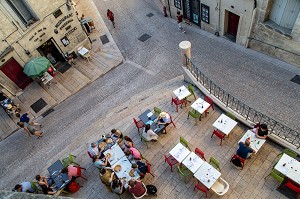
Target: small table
(125, 169)
(291, 168)
(207, 175)
(61, 180)
(200, 105)
(116, 154)
(46, 78)
(82, 51)
(181, 92)
(225, 124)
(255, 142)
(193, 162)
(180, 152)
(148, 117)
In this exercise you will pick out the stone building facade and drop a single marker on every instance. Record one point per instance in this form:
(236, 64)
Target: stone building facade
(269, 26)
(30, 29)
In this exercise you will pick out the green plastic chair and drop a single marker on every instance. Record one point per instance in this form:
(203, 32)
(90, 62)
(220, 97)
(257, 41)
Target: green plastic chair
(288, 152)
(185, 172)
(215, 163)
(144, 140)
(192, 91)
(34, 187)
(195, 114)
(69, 160)
(277, 176)
(157, 111)
(231, 115)
(184, 142)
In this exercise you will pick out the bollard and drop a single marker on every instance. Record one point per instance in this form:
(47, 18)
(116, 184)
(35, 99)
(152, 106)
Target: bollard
(185, 47)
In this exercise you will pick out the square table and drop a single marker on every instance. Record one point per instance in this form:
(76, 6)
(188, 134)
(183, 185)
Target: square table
(289, 167)
(200, 105)
(46, 78)
(255, 142)
(82, 51)
(180, 152)
(116, 154)
(225, 124)
(148, 117)
(193, 162)
(125, 169)
(61, 180)
(181, 92)
(207, 175)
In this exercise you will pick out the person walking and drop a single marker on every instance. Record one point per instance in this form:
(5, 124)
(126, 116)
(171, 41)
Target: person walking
(30, 129)
(179, 21)
(24, 118)
(110, 16)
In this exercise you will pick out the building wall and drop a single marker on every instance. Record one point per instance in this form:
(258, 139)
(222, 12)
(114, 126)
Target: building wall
(19, 37)
(280, 43)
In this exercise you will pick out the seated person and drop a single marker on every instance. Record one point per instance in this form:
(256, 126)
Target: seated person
(261, 131)
(136, 187)
(244, 150)
(106, 176)
(93, 149)
(149, 134)
(134, 153)
(118, 186)
(43, 183)
(71, 171)
(24, 187)
(118, 135)
(126, 144)
(100, 163)
(140, 167)
(164, 118)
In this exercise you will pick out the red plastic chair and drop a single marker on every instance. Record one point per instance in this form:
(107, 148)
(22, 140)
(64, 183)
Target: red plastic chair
(149, 168)
(171, 119)
(177, 102)
(201, 187)
(139, 124)
(292, 187)
(241, 159)
(219, 135)
(200, 153)
(171, 161)
(79, 172)
(90, 154)
(210, 101)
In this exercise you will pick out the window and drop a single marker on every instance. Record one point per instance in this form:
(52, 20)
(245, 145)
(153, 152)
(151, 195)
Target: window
(177, 4)
(205, 13)
(284, 12)
(22, 10)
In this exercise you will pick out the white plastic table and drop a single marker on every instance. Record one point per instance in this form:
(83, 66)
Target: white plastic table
(179, 152)
(46, 78)
(82, 51)
(207, 175)
(200, 105)
(181, 92)
(193, 162)
(116, 154)
(289, 167)
(225, 124)
(255, 143)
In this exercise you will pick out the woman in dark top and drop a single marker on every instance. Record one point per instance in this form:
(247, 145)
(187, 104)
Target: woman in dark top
(261, 131)
(42, 182)
(118, 135)
(118, 187)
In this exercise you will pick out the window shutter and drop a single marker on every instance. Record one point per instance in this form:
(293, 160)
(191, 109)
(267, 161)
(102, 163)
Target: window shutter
(21, 10)
(291, 13)
(277, 10)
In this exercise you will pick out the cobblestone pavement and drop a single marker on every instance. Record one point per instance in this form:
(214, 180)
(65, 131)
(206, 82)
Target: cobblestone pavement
(256, 79)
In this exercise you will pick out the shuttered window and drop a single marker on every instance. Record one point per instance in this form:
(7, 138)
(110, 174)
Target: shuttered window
(22, 10)
(285, 12)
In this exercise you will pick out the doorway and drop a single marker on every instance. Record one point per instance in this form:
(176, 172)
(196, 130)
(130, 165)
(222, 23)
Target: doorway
(14, 71)
(233, 24)
(191, 11)
(51, 52)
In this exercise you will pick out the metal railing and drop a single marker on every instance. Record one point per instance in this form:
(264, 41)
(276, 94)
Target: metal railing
(248, 113)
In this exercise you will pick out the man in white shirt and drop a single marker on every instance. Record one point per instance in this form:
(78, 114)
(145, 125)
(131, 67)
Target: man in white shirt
(24, 187)
(93, 149)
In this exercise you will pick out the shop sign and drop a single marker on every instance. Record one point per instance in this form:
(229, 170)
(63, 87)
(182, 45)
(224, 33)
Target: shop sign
(71, 31)
(38, 37)
(63, 19)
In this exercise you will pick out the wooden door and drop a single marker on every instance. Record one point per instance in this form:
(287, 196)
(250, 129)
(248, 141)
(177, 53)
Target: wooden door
(14, 72)
(233, 23)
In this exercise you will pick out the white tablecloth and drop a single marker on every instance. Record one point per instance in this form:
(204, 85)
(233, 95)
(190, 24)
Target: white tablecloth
(289, 167)
(200, 105)
(179, 152)
(46, 78)
(82, 51)
(207, 175)
(116, 154)
(181, 92)
(193, 162)
(255, 143)
(225, 124)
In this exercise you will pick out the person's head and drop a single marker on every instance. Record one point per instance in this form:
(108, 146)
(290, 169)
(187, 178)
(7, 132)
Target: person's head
(18, 115)
(64, 170)
(163, 115)
(21, 124)
(18, 188)
(108, 10)
(247, 142)
(134, 166)
(94, 145)
(127, 138)
(147, 127)
(263, 127)
(178, 13)
(113, 131)
(38, 177)
(95, 157)
(102, 171)
(132, 182)
(115, 183)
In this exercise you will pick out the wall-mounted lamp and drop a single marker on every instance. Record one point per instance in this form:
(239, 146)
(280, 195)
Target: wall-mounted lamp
(55, 31)
(26, 51)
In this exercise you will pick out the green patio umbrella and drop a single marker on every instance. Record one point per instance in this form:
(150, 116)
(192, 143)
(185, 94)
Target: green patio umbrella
(36, 67)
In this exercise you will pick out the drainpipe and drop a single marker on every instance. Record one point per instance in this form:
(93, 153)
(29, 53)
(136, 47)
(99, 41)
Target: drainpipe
(251, 24)
(218, 8)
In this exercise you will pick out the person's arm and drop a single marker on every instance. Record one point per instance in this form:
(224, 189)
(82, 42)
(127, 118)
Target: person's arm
(111, 177)
(151, 133)
(45, 180)
(26, 129)
(262, 137)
